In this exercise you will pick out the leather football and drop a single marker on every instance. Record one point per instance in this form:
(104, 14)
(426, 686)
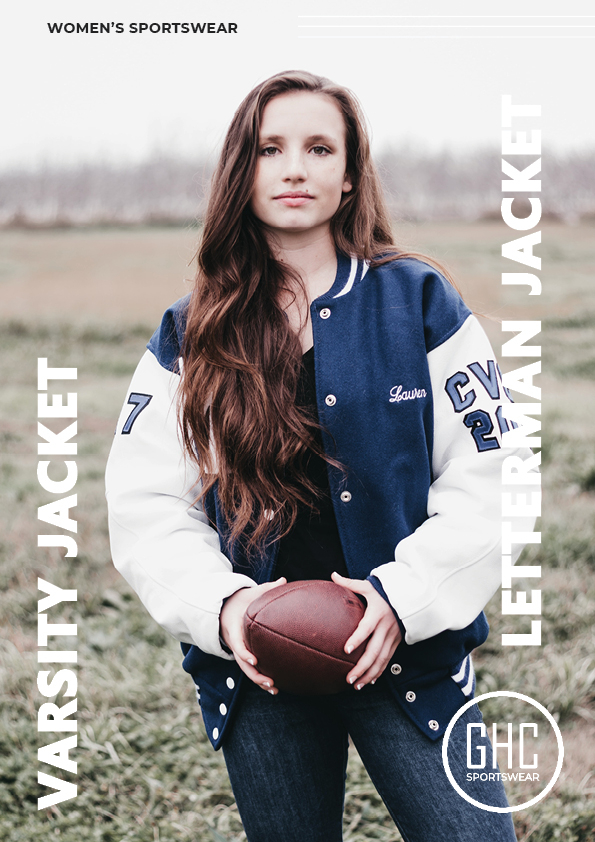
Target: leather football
(297, 632)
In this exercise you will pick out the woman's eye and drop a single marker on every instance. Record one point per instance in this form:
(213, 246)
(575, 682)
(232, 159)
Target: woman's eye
(321, 150)
(269, 151)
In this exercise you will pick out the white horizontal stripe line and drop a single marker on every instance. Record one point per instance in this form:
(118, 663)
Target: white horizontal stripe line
(446, 26)
(445, 37)
(453, 17)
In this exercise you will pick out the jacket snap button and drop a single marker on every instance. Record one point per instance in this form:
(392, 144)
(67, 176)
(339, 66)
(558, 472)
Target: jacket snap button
(396, 669)
(215, 733)
(345, 496)
(222, 709)
(230, 683)
(330, 400)
(325, 313)
(410, 696)
(433, 725)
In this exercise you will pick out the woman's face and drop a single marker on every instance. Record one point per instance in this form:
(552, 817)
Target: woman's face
(300, 175)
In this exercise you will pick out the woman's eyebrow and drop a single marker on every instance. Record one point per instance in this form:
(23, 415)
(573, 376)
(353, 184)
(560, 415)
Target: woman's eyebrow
(321, 138)
(315, 138)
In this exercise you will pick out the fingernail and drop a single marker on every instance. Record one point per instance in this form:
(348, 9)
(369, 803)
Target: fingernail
(373, 681)
(251, 661)
(349, 649)
(267, 683)
(359, 686)
(352, 679)
(272, 692)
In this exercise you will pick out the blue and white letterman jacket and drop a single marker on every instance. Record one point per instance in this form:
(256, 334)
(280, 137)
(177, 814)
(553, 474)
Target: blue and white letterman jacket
(410, 398)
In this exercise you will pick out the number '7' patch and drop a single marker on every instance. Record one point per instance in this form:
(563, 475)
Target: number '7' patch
(139, 401)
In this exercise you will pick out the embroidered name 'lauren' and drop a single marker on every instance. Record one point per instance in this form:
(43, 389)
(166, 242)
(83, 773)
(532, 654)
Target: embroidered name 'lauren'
(397, 394)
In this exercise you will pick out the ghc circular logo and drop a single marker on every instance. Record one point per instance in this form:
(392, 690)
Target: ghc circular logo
(519, 754)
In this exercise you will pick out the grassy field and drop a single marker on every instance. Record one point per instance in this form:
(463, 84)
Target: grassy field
(91, 299)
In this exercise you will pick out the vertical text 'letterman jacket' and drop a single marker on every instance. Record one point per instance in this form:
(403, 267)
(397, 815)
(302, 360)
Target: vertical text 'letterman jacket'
(408, 388)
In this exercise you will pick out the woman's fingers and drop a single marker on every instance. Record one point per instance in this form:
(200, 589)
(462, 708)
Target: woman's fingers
(248, 664)
(366, 627)
(368, 622)
(375, 659)
(258, 678)
(377, 608)
(378, 626)
(355, 585)
(232, 629)
(238, 647)
(376, 656)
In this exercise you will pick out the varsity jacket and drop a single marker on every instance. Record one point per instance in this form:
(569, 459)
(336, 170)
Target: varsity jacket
(410, 399)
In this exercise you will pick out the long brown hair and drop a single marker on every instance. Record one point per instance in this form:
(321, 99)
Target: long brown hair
(241, 359)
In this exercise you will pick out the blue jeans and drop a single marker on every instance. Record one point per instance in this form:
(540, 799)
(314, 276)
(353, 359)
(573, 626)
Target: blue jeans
(286, 757)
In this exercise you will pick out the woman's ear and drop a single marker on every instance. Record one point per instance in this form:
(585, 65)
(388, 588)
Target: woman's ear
(347, 185)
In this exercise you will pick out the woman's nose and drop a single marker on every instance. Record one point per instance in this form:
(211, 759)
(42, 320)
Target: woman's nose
(295, 167)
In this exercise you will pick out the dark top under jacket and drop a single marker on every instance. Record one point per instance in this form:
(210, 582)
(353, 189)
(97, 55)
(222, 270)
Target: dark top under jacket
(312, 549)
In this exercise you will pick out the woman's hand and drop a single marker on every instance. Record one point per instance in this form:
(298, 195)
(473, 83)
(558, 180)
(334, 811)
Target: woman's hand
(231, 624)
(379, 624)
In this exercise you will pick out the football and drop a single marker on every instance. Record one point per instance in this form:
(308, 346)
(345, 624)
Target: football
(297, 632)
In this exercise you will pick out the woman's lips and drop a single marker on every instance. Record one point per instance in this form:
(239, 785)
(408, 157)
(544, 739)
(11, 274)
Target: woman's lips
(293, 200)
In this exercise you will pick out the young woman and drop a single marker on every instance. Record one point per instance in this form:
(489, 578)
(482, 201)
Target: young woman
(321, 406)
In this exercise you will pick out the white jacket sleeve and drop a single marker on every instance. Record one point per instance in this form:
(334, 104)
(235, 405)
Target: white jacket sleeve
(162, 543)
(447, 570)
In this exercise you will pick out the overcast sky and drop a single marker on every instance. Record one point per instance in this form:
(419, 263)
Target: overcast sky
(125, 96)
